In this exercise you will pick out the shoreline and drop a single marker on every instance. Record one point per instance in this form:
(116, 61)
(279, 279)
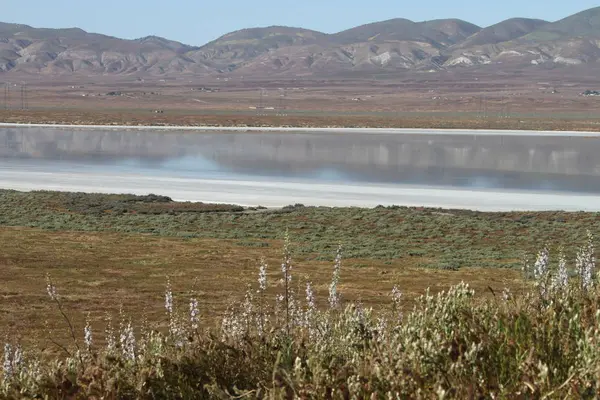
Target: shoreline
(330, 130)
(279, 194)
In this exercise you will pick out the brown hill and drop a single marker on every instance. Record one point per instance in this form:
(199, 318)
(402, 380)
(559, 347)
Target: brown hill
(504, 31)
(232, 50)
(382, 47)
(438, 33)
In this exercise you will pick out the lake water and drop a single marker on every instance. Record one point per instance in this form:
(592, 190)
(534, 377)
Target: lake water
(552, 165)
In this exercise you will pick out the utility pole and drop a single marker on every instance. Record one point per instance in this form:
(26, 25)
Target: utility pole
(261, 103)
(281, 102)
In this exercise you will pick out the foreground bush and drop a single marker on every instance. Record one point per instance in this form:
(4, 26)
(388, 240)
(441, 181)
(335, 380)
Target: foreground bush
(541, 344)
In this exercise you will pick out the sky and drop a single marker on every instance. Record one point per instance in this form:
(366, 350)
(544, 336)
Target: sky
(196, 22)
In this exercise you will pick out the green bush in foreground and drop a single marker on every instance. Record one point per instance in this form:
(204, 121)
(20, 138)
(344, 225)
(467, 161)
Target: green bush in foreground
(542, 344)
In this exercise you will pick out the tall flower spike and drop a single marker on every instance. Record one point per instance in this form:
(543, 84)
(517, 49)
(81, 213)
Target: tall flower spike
(310, 298)
(248, 309)
(334, 297)
(262, 276)
(396, 298)
(50, 288)
(18, 357)
(585, 263)
(169, 298)
(310, 307)
(396, 295)
(128, 342)
(286, 265)
(111, 342)
(7, 366)
(540, 268)
(87, 332)
(194, 313)
(562, 275)
(591, 258)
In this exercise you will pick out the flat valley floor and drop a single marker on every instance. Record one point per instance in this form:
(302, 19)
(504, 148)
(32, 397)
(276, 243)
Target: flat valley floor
(458, 99)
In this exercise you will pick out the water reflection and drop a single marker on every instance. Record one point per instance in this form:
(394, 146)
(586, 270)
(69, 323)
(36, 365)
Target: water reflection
(536, 163)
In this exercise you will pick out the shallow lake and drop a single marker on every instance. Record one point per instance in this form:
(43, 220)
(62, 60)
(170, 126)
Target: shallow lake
(468, 162)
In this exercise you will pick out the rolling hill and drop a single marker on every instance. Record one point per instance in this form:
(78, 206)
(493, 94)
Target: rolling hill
(388, 46)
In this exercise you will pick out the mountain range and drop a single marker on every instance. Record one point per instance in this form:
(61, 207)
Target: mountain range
(386, 47)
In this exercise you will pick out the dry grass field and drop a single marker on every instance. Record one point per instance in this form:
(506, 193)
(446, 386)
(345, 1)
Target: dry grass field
(103, 252)
(459, 100)
(99, 272)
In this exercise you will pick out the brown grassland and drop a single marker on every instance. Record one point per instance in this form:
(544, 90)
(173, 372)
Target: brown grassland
(108, 251)
(98, 272)
(460, 99)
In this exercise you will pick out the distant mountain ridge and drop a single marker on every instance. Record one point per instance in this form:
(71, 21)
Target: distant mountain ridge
(387, 46)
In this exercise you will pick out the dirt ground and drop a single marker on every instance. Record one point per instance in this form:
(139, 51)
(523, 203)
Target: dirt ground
(462, 100)
(97, 273)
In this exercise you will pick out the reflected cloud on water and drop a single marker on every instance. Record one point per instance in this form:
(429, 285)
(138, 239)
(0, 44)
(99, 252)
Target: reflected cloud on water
(465, 161)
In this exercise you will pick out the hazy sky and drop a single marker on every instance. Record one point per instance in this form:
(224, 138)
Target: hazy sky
(196, 22)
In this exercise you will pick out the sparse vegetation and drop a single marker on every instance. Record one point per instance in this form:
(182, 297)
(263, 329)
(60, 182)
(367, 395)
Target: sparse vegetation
(292, 344)
(552, 120)
(452, 238)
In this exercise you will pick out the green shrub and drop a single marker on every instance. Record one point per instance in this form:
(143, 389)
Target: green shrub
(451, 345)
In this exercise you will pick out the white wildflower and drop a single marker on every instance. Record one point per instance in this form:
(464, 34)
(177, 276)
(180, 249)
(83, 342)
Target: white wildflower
(87, 333)
(381, 329)
(248, 309)
(396, 295)
(177, 332)
(586, 263)
(50, 288)
(310, 307)
(262, 276)
(310, 298)
(541, 269)
(261, 318)
(296, 317)
(231, 326)
(18, 357)
(194, 313)
(279, 306)
(396, 299)
(111, 342)
(169, 298)
(561, 280)
(334, 297)
(128, 342)
(7, 366)
(286, 265)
